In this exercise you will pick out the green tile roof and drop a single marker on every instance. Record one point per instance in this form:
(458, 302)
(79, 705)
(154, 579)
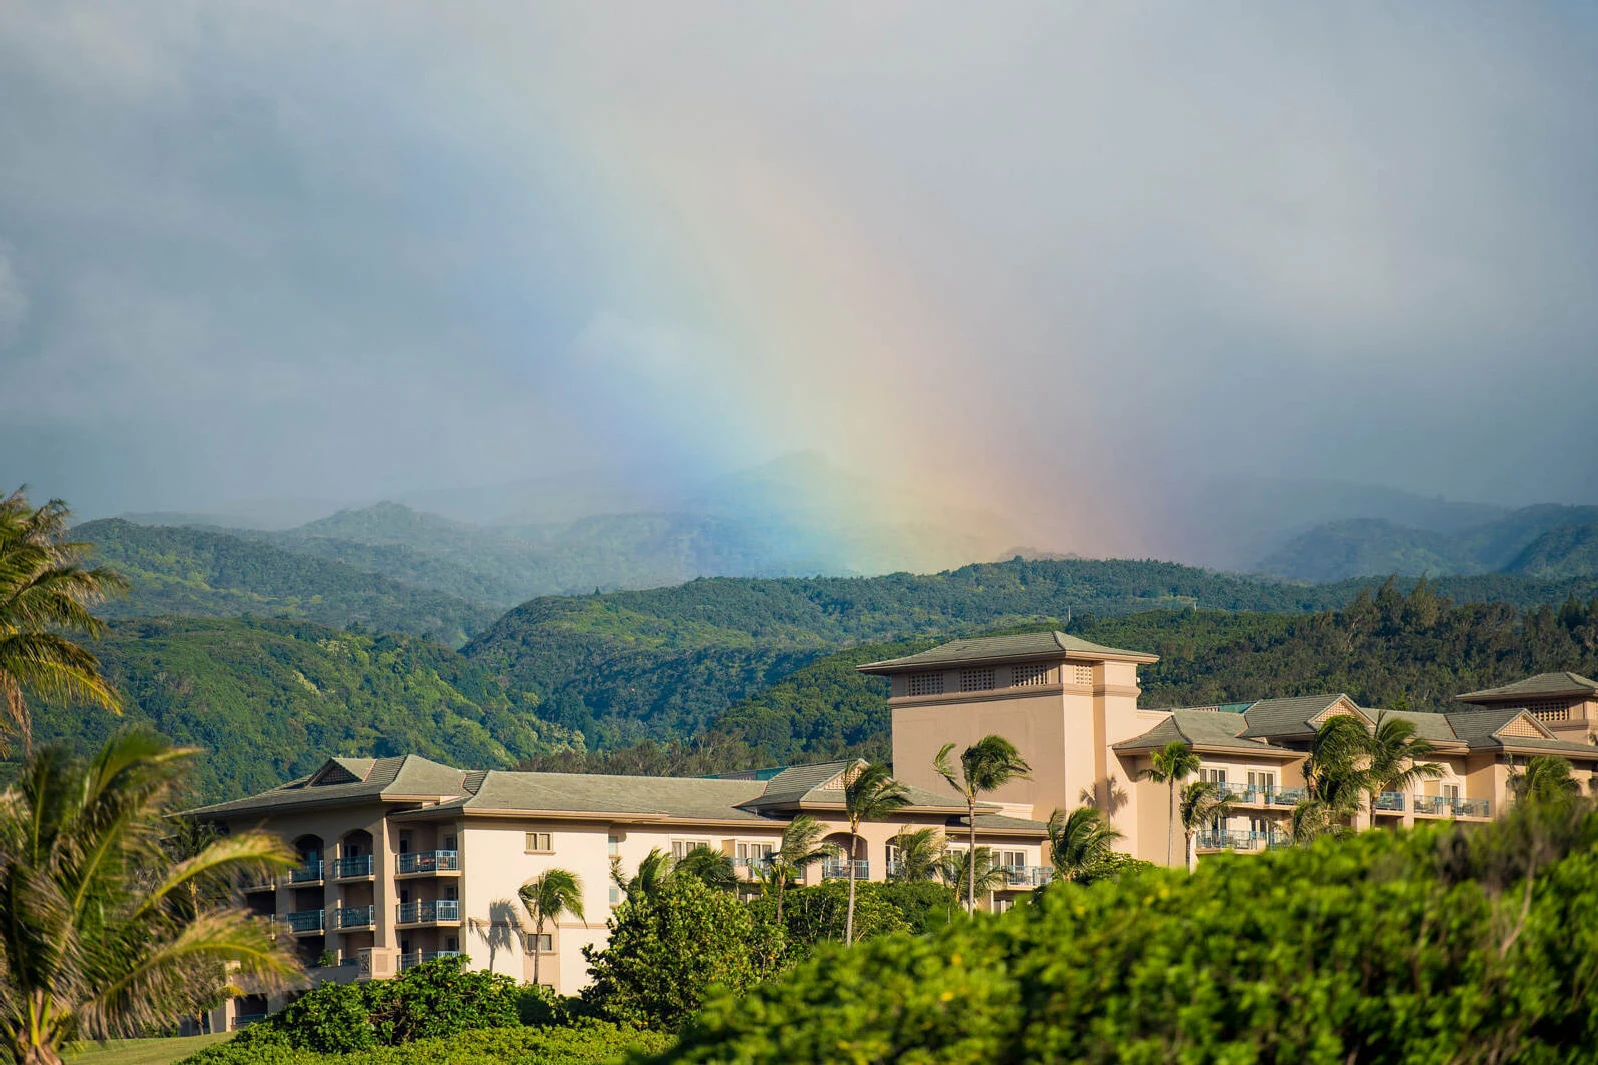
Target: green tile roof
(1288, 718)
(693, 798)
(1203, 730)
(1542, 685)
(1030, 645)
(343, 780)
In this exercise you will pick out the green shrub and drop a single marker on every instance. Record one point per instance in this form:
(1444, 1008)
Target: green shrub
(1422, 947)
(814, 915)
(588, 1043)
(333, 1018)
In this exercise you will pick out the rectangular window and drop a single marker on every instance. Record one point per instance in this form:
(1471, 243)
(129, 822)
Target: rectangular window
(542, 944)
(1262, 780)
(681, 847)
(1024, 676)
(540, 843)
(926, 684)
(1013, 859)
(1450, 791)
(615, 895)
(449, 844)
(1214, 776)
(755, 853)
(976, 680)
(613, 845)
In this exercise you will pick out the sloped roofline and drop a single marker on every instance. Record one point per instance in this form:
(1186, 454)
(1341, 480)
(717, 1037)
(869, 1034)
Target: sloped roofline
(1025, 647)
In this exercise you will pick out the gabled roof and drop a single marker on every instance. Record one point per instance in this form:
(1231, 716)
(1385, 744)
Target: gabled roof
(666, 798)
(1433, 728)
(1027, 646)
(342, 780)
(1543, 685)
(1204, 730)
(821, 786)
(1294, 718)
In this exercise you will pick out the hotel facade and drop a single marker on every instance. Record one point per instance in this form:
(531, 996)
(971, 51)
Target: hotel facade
(404, 859)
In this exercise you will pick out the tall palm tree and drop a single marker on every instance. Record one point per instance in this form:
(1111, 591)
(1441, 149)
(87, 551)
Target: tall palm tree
(711, 868)
(1170, 765)
(1395, 757)
(871, 794)
(1336, 778)
(1546, 780)
(960, 871)
(1203, 801)
(45, 595)
(102, 931)
(987, 765)
(801, 847)
(645, 883)
(1080, 842)
(920, 854)
(545, 897)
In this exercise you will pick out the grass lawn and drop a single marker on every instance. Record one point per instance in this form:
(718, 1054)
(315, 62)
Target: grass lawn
(142, 1051)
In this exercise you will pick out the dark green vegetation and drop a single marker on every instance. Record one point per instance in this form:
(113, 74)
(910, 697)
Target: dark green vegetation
(1386, 649)
(270, 699)
(1547, 542)
(210, 573)
(591, 1044)
(1439, 945)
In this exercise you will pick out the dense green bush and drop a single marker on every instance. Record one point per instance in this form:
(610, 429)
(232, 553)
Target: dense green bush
(1431, 946)
(590, 1043)
(669, 947)
(815, 915)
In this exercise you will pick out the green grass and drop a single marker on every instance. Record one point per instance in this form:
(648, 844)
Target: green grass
(143, 1051)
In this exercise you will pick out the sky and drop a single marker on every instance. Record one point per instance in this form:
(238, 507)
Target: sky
(1053, 261)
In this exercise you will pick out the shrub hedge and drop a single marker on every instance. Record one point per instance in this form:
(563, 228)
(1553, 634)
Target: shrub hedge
(590, 1043)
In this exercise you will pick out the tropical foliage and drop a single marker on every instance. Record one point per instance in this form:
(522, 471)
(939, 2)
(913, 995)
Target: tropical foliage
(1203, 802)
(985, 766)
(1082, 845)
(102, 931)
(584, 1044)
(800, 848)
(1171, 765)
(869, 794)
(546, 898)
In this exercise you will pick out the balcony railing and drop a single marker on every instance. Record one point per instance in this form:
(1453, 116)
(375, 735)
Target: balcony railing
(1390, 800)
(244, 1020)
(1287, 796)
(1450, 806)
(308, 873)
(1239, 841)
(415, 958)
(1027, 876)
(430, 862)
(840, 870)
(303, 921)
(427, 912)
(1473, 807)
(349, 868)
(356, 917)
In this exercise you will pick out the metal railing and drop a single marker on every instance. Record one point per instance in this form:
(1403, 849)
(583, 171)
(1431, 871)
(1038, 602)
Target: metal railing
(427, 912)
(1027, 876)
(1473, 807)
(840, 870)
(429, 861)
(308, 873)
(304, 920)
(346, 868)
(1389, 800)
(356, 916)
(1450, 806)
(415, 958)
(1287, 796)
(1240, 841)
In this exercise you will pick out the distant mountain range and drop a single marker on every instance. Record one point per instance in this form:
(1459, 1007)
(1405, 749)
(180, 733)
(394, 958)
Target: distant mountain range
(1545, 542)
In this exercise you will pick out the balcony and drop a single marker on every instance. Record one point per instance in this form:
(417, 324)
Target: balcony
(1287, 796)
(1227, 841)
(444, 911)
(309, 873)
(1473, 807)
(1027, 876)
(355, 868)
(1248, 794)
(1452, 806)
(840, 870)
(428, 863)
(244, 1020)
(303, 922)
(356, 917)
(1389, 802)
(415, 958)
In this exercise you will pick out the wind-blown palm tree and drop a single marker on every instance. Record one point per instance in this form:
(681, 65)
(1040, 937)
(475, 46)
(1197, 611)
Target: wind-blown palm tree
(987, 765)
(1203, 801)
(45, 595)
(1335, 778)
(1170, 765)
(646, 882)
(102, 932)
(960, 871)
(871, 794)
(1546, 780)
(545, 897)
(1080, 843)
(801, 847)
(920, 854)
(711, 868)
(1395, 757)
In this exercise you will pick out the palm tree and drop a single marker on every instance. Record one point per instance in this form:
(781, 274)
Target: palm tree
(960, 871)
(1080, 843)
(1335, 777)
(1170, 765)
(1545, 781)
(920, 854)
(801, 847)
(45, 594)
(871, 794)
(711, 868)
(644, 884)
(545, 897)
(102, 932)
(1394, 757)
(987, 765)
(1203, 801)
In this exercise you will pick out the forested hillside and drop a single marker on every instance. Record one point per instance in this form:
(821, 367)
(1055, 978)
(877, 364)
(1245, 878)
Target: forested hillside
(209, 573)
(270, 699)
(628, 665)
(1384, 649)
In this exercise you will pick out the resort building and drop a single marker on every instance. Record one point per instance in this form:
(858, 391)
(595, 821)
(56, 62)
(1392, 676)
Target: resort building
(403, 858)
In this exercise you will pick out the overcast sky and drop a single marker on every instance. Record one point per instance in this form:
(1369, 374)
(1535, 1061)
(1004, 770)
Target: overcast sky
(1006, 252)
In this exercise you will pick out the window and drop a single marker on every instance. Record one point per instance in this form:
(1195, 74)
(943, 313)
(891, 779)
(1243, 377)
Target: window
(1012, 859)
(1450, 791)
(1259, 826)
(1262, 780)
(681, 847)
(755, 853)
(541, 944)
(1549, 709)
(1023, 676)
(540, 843)
(449, 893)
(1214, 776)
(926, 684)
(449, 844)
(613, 845)
(976, 680)
(451, 943)
(1002, 905)
(615, 895)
